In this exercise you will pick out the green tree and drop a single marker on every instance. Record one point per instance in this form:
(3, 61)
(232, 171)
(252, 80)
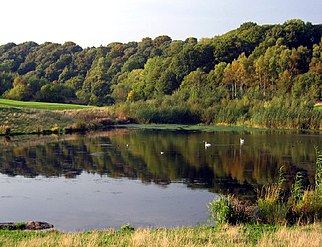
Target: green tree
(6, 80)
(316, 61)
(55, 92)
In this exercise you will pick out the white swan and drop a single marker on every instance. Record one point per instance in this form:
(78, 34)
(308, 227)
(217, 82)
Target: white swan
(241, 141)
(207, 145)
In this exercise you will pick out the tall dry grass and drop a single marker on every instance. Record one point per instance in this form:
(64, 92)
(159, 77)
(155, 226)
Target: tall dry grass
(199, 236)
(310, 236)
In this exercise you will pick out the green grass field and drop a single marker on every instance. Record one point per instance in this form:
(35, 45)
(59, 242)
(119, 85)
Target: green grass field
(41, 105)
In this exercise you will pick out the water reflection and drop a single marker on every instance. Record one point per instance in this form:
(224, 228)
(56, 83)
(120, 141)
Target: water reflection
(161, 156)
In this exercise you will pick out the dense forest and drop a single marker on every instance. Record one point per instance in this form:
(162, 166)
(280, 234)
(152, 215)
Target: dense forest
(268, 76)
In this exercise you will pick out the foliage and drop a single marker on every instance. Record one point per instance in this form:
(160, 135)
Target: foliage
(220, 210)
(297, 190)
(127, 228)
(265, 76)
(272, 212)
(318, 172)
(275, 205)
(306, 205)
(306, 210)
(230, 210)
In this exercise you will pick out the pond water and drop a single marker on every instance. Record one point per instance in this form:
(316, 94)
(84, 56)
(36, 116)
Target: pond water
(145, 177)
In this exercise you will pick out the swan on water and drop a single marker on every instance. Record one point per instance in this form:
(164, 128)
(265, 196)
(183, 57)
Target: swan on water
(207, 145)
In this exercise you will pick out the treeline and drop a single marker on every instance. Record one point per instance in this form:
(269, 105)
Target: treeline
(266, 75)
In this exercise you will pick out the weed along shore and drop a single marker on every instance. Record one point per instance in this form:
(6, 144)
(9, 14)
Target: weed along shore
(19, 117)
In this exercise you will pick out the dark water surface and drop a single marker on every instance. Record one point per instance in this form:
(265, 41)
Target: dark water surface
(139, 176)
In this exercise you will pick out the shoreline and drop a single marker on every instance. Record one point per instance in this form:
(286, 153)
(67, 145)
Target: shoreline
(154, 126)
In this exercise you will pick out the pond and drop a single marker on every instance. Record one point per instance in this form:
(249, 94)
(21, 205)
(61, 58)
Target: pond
(145, 177)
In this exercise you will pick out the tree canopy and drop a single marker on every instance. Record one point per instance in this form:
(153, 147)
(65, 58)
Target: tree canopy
(252, 61)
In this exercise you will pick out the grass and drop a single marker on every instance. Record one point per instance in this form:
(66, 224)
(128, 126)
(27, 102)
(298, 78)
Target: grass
(240, 235)
(24, 120)
(276, 204)
(40, 105)
(18, 117)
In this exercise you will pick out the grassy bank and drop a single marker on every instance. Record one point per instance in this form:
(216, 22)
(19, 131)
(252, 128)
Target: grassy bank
(17, 117)
(24, 120)
(41, 105)
(243, 235)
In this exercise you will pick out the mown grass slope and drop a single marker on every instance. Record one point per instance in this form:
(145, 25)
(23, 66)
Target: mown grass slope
(41, 105)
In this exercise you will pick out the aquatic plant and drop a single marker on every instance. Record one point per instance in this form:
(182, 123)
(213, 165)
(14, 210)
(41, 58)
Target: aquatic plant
(221, 210)
(275, 204)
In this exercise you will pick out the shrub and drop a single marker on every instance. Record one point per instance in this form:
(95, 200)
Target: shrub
(272, 211)
(307, 210)
(271, 207)
(242, 211)
(153, 113)
(220, 210)
(318, 172)
(127, 228)
(5, 130)
(297, 188)
(231, 210)
(306, 205)
(275, 204)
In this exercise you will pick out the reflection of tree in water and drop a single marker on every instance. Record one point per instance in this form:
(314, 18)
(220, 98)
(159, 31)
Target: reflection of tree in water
(136, 154)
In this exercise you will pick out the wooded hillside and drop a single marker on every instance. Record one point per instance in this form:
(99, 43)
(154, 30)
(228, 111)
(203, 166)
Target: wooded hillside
(255, 74)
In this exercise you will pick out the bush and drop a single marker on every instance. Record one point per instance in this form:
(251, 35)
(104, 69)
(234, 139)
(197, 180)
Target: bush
(306, 205)
(242, 211)
(231, 210)
(127, 228)
(154, 113)
(272, 211)
(307, 210)
(318, 172)
(221, 210)
(275, 204)
(5, 130)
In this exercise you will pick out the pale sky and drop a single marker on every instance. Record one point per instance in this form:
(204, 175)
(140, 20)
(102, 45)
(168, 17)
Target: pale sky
(100, 22)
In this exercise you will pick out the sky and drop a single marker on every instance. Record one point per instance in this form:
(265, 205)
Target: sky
(100, 22)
